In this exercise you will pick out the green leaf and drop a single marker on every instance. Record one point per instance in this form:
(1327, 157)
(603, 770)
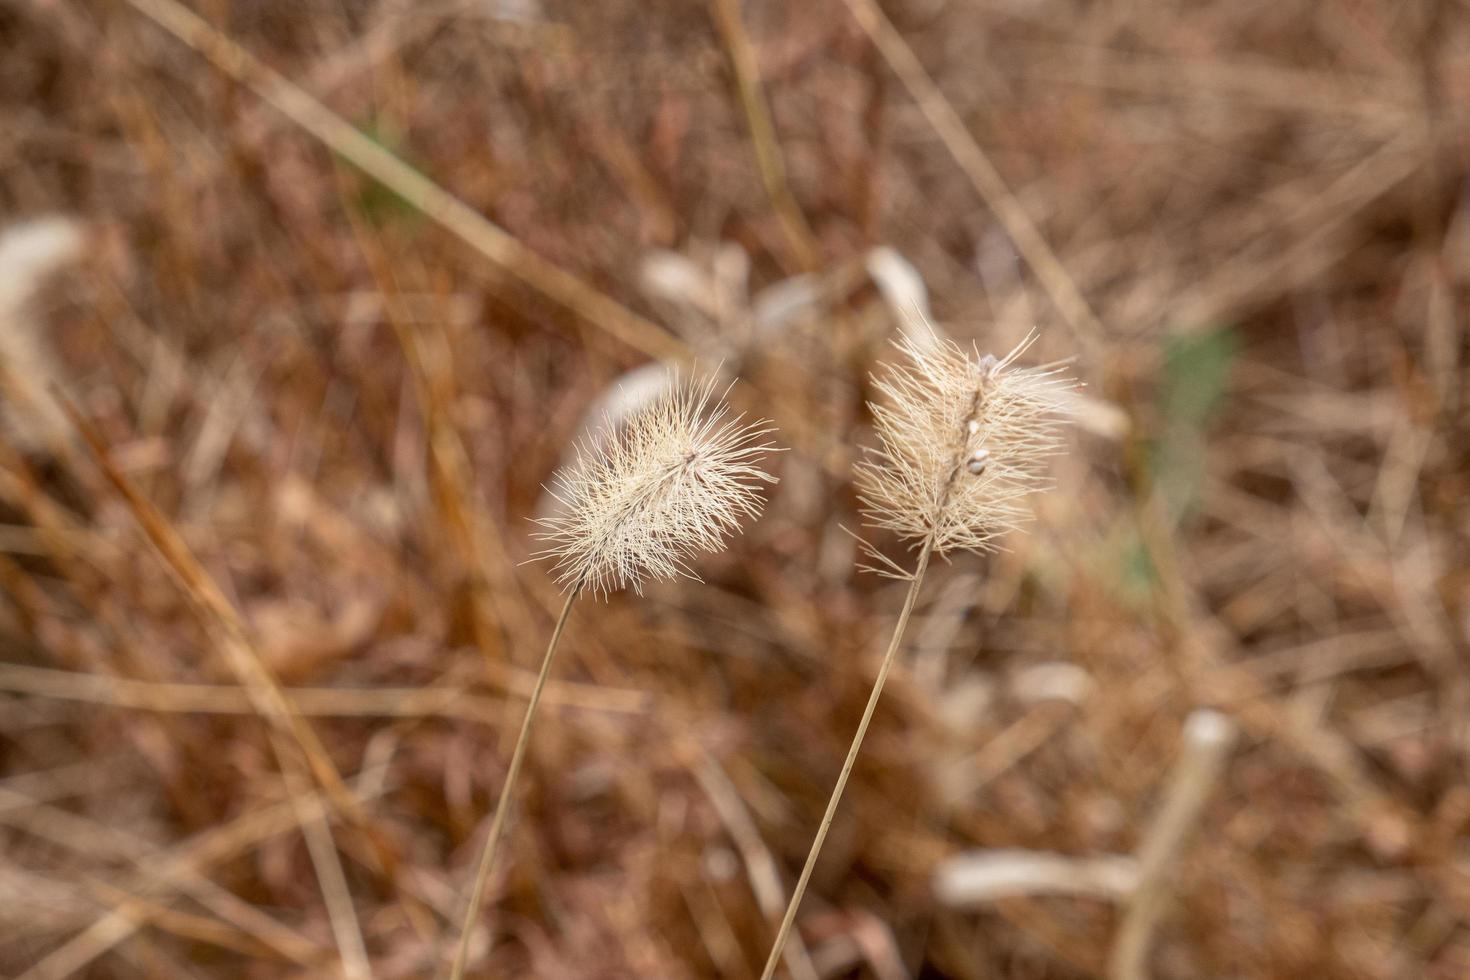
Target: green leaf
(377, 204)
(1196, 376)
(1193, 383)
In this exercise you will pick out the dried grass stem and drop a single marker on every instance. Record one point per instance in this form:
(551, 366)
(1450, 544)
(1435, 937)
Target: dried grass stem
(962, 440)
(502, 808)
(852, 753)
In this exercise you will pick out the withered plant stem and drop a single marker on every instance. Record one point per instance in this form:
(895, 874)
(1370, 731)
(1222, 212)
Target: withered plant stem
(852, 754)
(507, 792)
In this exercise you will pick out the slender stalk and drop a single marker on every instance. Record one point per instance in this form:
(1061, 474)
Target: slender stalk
(507, 792)
(1208, 736)
(852, 754)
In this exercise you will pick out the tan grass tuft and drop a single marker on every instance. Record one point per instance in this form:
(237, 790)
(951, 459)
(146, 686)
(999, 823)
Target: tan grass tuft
(641, 501)
(964, 439)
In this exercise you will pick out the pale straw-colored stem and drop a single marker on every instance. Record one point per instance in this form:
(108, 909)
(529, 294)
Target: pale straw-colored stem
(507, 792)
(852, 754)
(1208, 736)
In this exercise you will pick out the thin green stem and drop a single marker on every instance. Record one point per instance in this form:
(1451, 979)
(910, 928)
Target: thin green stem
(507, 793)
(852, 754)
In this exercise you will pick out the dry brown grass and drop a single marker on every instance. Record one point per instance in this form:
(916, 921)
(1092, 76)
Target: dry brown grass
(281, 596)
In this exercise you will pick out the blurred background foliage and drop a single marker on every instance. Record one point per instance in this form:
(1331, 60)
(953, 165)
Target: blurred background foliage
(314, 413)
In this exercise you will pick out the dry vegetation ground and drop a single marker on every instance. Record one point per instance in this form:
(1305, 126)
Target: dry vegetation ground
(325, 415)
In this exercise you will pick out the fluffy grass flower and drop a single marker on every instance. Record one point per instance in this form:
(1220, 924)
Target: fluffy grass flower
(963, 438)
(672, 478)
(640, 502)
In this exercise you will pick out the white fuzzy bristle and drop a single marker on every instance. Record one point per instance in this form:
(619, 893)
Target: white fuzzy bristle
(642, 499)
(963, 439)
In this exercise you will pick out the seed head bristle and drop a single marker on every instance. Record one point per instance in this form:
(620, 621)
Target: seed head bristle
(963, 439)
(642, 499)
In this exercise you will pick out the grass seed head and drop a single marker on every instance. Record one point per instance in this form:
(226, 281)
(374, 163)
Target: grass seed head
(963, 439)
(642, 499)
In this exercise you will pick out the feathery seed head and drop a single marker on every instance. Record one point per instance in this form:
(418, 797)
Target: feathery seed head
(642, 499)
(963, 438)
